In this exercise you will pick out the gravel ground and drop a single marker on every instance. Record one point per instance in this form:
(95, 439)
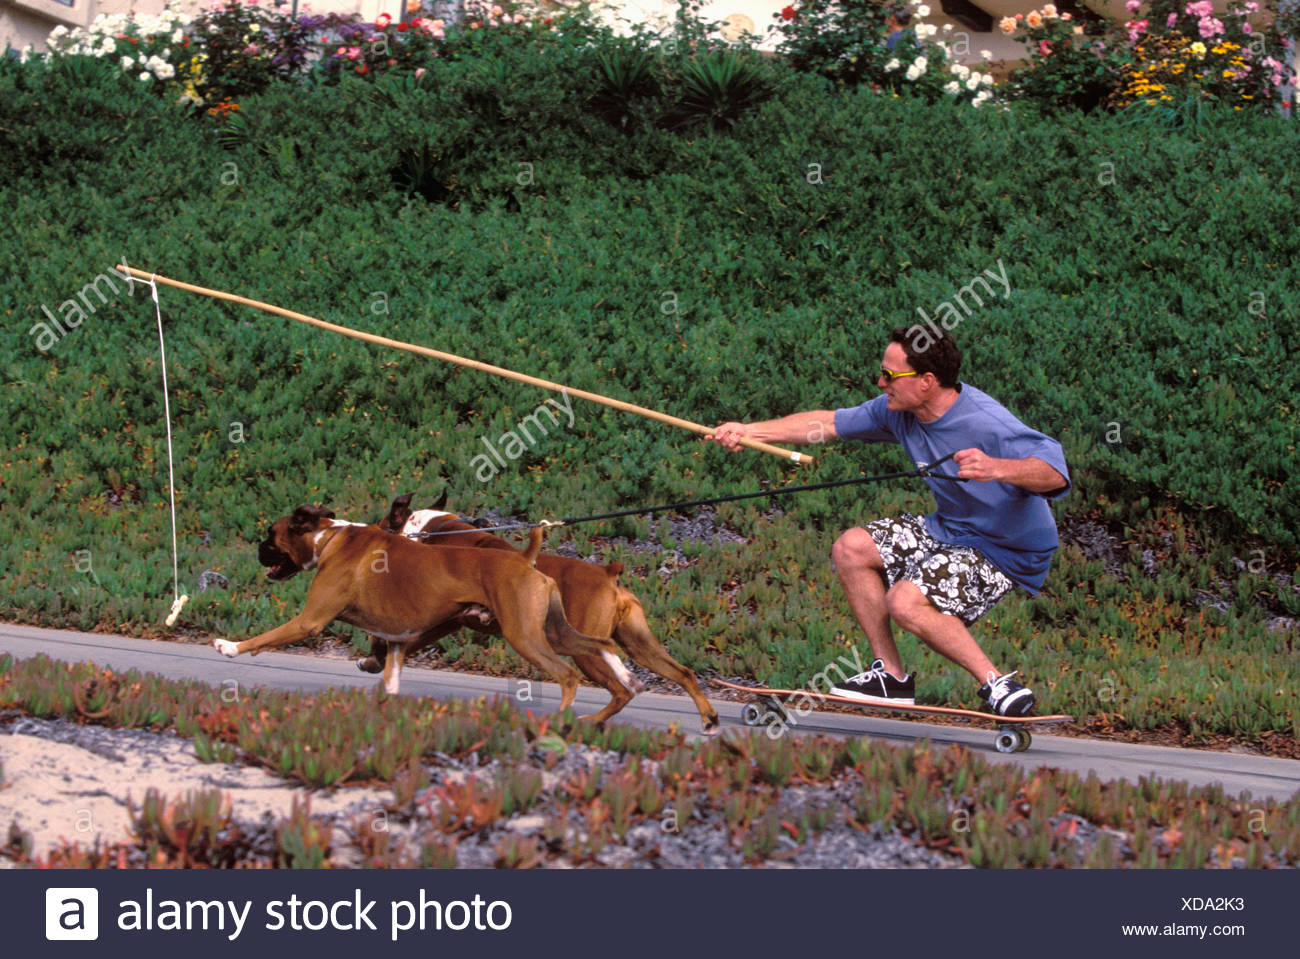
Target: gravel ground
(73, 782)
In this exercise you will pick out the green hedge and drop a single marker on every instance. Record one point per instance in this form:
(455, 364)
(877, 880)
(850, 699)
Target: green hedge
(494, 209)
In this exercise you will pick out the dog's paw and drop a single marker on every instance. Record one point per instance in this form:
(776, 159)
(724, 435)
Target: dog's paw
(391, 688)
(225, 647)
(711, 727)
(369, 665)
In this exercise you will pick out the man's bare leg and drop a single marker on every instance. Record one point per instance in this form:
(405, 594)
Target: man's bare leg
(862, 572)
(946, 635)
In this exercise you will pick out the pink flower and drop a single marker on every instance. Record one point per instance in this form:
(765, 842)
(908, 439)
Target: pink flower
(1246, 28)
(1135, 29)
(1034, 19)
(1209, 27)
(419, 72)
(1251, 6)
(1202, 8)
(1173, 18)
(382, 21)
(1049, 10)
(353, 53)
(251, 48)
(1133, 5)
(1044, 48)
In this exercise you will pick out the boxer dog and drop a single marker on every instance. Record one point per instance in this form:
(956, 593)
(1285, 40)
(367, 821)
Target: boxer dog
(593, 601)
(405, 593)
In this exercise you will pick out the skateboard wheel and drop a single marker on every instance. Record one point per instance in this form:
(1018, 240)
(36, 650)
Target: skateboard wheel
(751, 715)
(1008, 741)
(1025, 740)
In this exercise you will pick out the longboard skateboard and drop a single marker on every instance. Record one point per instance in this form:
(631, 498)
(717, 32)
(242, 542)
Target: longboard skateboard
(1012, 735)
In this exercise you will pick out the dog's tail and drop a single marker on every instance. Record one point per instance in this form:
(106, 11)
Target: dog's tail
(566, 640)
(613, 569)
(535, 537)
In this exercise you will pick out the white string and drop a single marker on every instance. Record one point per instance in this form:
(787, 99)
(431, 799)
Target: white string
(178, 600)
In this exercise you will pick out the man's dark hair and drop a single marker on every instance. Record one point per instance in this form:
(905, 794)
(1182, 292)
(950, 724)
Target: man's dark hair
(930, 350)
(901, 14)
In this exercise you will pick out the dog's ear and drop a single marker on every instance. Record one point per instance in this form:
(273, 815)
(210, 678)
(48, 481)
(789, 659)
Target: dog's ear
(441, 505)
(306, 518)
(398, 514)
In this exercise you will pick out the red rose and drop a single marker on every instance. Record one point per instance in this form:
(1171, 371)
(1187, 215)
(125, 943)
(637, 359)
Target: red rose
(788, 13)
(363, 69)
(403, 27)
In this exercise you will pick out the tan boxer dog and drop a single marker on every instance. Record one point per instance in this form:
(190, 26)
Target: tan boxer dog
(404, 593)
(593, 601)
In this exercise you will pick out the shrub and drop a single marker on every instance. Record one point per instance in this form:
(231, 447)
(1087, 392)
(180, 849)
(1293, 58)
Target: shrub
(1174, 51)
(847, 42)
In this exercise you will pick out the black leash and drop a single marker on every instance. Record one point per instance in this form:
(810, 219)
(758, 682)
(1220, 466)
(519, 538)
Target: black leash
(921, 471)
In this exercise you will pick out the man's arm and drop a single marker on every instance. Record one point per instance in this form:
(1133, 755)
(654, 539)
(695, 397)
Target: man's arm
(814, 426)
(1030, 474)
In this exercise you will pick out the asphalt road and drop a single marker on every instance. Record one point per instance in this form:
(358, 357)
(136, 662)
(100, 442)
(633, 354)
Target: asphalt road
(1235, 772)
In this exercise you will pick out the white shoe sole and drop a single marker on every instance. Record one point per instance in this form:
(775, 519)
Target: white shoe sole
(868, 698)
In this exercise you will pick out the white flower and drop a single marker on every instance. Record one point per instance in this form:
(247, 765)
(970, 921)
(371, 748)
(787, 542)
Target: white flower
(108, 46)
(58, 31)
(952, 87)
(924, 30)
(913, 72)
(127, 63)
(923, 11)
(164, 71)
(973, 83)
(961, 70)
(920, 63)
(145, 76)
(986, 79)
(986, 54)
(947, 28)
(892, 64)
(178, 35)
(982, 97)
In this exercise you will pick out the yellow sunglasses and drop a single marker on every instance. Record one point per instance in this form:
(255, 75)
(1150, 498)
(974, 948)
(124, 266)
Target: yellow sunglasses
(891, 375)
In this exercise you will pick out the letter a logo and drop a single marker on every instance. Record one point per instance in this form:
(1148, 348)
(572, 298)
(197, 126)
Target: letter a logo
(71, 914)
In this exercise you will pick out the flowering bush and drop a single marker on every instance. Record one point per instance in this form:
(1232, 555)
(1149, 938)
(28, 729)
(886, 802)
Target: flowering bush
(245, 48)
(1070, 64)
(1167, 50)
(849, 43)
(151, 48)
(1183, 49)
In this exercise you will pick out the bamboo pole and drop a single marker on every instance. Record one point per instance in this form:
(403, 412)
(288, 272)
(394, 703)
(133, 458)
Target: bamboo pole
(146, 276)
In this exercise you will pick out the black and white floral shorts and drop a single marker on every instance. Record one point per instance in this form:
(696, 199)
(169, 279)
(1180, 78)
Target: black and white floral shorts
(958, 580)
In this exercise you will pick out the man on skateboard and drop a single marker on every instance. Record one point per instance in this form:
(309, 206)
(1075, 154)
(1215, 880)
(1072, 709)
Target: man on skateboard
(936, 575)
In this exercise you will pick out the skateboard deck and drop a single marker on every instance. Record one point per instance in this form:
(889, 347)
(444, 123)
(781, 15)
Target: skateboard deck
(1012, 731)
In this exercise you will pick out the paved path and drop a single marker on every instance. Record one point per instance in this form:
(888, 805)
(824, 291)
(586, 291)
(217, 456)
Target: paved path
(1261, 776)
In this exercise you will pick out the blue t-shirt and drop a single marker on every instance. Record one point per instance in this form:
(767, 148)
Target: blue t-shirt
(1013, 527)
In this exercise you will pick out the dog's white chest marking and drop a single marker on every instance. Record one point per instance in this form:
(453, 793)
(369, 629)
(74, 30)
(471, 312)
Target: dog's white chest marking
(420, 519)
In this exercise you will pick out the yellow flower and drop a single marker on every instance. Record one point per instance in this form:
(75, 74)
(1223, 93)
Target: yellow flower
(1198, 48)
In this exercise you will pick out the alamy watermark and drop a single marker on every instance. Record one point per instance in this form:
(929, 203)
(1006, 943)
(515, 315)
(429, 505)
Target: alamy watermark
(512, 444)
(926, 333)
(73, 312)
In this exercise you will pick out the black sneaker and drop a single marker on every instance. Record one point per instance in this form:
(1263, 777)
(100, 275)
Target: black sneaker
(878, 686)
(1006, 697)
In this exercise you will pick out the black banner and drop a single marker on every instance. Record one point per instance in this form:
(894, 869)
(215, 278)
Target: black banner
(647, 913)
